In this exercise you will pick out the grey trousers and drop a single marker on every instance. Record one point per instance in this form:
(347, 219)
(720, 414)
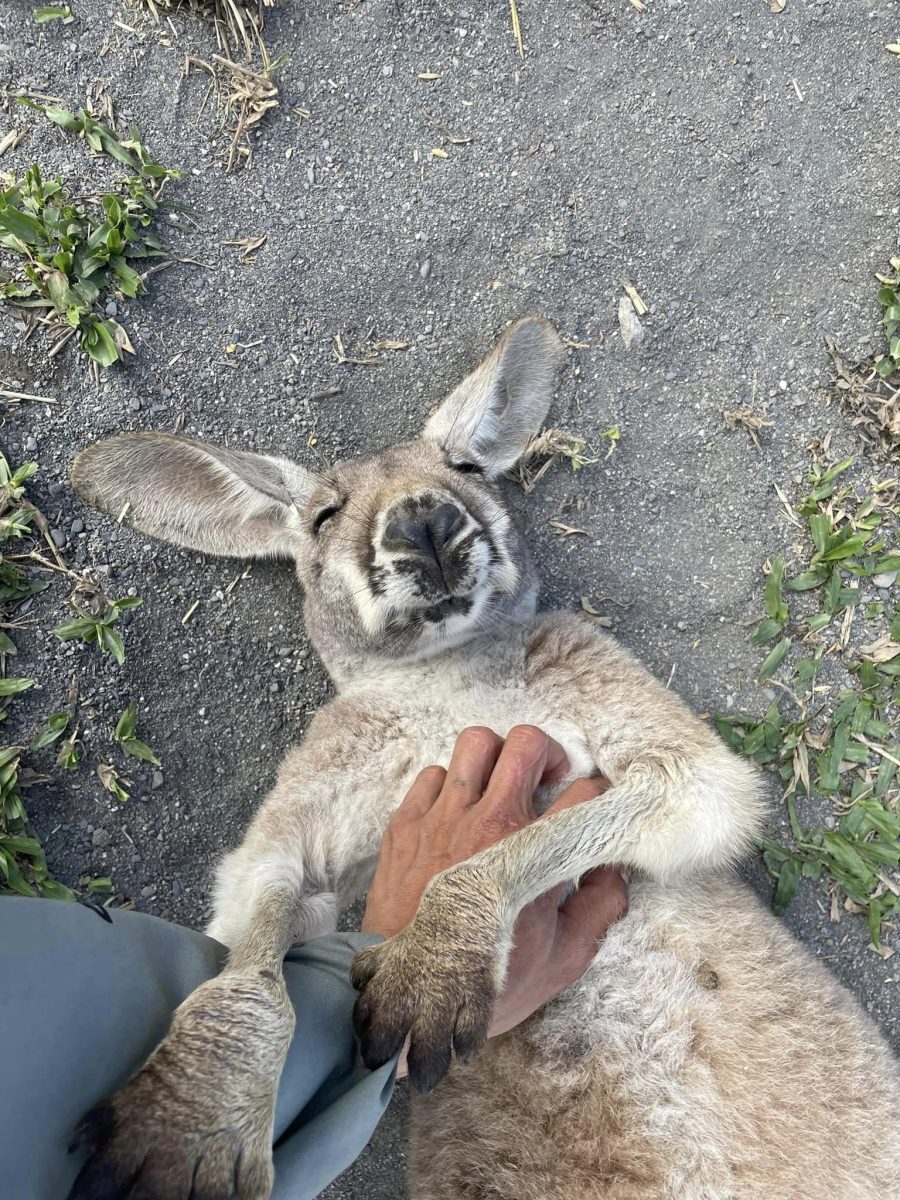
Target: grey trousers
(84, 1000)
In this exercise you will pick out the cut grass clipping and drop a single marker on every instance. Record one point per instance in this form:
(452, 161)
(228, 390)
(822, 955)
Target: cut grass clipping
(76, 254)
(838, 743)
(23, 865)
(869, 392)
(889, 297)
(239, 20)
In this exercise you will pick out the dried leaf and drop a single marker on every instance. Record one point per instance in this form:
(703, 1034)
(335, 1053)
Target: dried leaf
(566, 531)
(884, 649)
(639, 306)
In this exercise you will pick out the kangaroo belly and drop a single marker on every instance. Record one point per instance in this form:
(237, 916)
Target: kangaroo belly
(702, 1057)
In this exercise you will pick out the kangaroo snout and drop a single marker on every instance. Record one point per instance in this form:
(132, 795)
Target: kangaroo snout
(423, 531)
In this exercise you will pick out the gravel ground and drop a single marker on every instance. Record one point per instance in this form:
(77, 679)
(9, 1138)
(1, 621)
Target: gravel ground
(738, 167)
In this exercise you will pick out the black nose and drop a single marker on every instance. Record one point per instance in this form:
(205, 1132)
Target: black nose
(426, 534)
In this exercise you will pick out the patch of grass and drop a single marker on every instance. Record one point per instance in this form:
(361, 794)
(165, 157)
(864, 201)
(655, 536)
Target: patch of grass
(95, 626)
(549, 447)
(869, 392)
(126, 738)
(73, 255)
(241, 20)
(840, 744)
(23, 865)
(889, 299)
(245, 94)
(113, 781)
(53, 12)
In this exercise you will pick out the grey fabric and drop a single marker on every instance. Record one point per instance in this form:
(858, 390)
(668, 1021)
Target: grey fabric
(83, 1001)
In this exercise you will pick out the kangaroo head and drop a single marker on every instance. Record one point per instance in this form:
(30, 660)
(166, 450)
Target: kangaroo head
(402, 554)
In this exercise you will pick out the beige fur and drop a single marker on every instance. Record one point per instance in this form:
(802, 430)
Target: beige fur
(703, 1045)
(704, 1056)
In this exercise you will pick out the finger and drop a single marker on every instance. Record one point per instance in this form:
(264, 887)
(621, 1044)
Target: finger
(426, 788)
(585, 918)
(541, 915)
(526, 755)
(578, 792)
(558, 765)
(474, 758)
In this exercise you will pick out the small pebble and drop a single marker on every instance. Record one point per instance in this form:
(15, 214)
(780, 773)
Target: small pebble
(101, 838)
(59, 538)
(77, 526)
(425, 269)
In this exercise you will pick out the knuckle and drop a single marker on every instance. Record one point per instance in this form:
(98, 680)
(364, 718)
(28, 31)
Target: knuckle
(528, 738)
(431, 778)
(497, 823)
(477, 739)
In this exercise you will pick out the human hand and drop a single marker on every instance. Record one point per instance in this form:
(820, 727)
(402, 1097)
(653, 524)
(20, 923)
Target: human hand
(448, 816)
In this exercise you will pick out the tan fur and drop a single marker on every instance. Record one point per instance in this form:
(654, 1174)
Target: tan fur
(670, 1069)
(703, 1056)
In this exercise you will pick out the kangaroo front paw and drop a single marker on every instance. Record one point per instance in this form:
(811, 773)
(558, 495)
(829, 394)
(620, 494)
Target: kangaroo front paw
(196, 1121)
(437, 990)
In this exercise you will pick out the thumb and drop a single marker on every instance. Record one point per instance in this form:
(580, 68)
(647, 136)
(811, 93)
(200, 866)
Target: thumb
(578, 792)
(585, 918)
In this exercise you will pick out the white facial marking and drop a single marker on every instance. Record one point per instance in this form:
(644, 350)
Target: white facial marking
(490, 570)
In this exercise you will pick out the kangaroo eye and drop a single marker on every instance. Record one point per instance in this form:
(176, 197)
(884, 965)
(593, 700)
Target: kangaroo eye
(325, 514)
(466, 468)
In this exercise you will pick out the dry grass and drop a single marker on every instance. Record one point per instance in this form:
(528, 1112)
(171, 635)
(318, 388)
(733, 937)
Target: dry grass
(546, 449)
(244, 96)
(238, 23)
(750, 420)
(872, 402)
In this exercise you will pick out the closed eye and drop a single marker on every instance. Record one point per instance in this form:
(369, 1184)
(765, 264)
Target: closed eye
(465, 468)
(325, 514)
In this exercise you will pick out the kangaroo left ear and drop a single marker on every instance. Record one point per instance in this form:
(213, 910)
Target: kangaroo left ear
(208, 498)
(496, 411)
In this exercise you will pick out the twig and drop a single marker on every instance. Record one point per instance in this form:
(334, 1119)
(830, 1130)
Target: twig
(517, 28)
(17, 396)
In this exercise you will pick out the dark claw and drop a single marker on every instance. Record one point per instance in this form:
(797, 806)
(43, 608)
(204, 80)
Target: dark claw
(380, 1039)
(102, 1178)
(428, 1062)
(469, 1035)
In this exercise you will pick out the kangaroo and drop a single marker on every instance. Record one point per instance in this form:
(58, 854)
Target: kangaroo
(704, 1056)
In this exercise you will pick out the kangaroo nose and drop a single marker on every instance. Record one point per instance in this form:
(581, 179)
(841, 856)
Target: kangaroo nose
(427, 536)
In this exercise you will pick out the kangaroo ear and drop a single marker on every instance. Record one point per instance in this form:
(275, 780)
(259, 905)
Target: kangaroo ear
(494, 413)
(207, 498)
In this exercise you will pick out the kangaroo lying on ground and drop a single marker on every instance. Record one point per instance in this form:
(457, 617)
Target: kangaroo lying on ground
(704, 1056)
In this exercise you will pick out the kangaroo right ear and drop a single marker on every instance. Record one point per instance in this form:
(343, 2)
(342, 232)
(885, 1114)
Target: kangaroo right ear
(208, 498)
(494, 413)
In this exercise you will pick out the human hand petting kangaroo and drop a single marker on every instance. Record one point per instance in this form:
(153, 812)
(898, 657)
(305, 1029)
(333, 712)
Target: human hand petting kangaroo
(485, 795)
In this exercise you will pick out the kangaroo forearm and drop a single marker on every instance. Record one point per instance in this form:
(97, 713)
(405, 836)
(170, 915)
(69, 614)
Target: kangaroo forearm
(664, 824)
